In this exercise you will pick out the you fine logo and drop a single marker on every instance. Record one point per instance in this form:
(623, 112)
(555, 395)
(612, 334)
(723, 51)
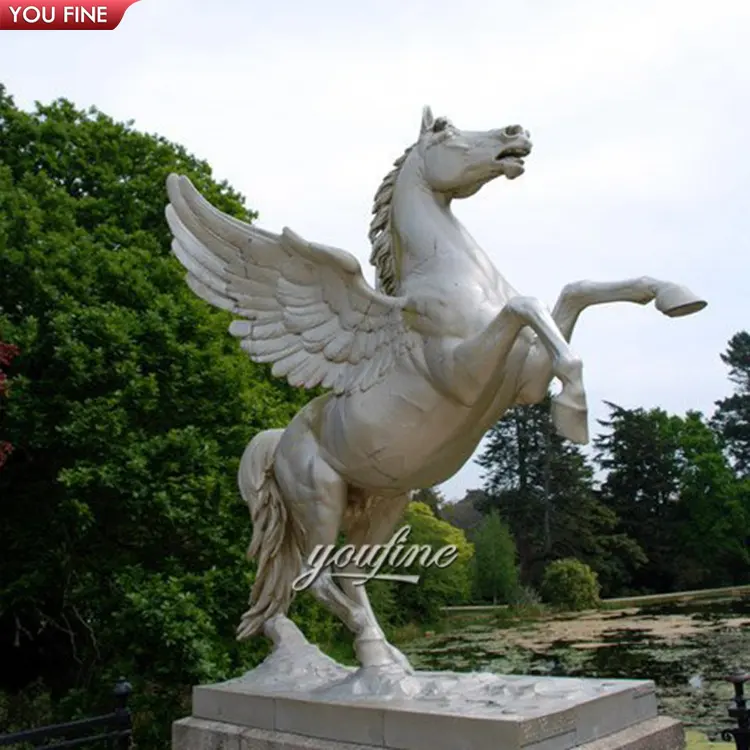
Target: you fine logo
(373, 556)
(62, 15)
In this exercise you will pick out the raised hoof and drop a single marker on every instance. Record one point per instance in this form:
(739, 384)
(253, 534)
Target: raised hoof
(675, 301)
(570, 420)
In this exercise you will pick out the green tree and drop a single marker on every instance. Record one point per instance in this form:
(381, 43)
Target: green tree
(674, 492)
(712, 516)
(437, 586)
(732, 416)
(639, 452)
(570, 584)
(464, 513)
(123, 533)
(495, 564)
(543, 487)
(8, 352)
(432, 497)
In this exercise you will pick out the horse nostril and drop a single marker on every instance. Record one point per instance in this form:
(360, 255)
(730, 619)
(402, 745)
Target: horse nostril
(513, 130)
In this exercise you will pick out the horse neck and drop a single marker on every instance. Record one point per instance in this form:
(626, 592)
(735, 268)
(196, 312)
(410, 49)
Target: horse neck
(432, 247)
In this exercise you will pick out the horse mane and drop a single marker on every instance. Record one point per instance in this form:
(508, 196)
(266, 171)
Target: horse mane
(383, 256)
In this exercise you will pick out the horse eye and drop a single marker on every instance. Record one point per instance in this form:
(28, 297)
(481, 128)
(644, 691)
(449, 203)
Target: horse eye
(440, 124)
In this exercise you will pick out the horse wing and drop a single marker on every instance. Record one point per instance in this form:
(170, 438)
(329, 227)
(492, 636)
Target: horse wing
(305, 307)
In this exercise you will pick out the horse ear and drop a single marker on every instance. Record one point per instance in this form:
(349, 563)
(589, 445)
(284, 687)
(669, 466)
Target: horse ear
(427, 120)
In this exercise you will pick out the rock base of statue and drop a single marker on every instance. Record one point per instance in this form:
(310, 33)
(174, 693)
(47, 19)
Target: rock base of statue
(299, 699)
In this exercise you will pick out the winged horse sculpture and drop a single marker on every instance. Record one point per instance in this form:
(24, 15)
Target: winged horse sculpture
(417, 370)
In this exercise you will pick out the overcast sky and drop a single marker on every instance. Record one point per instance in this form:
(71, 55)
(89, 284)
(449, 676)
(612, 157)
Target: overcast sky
(639, 112)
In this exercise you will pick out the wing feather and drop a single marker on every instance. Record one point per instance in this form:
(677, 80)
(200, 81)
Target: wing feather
(209, 295)
(190, 244)
(370, 344)
(305, 308)
(337, 348)
(299, 322)
(268, 330)
(240, 328)
(285, 365)
(200, 231)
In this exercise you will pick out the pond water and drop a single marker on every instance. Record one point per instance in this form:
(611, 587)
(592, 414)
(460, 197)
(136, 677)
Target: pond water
(686, 649)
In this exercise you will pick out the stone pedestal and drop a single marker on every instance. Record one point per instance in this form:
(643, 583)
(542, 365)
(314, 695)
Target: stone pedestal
(197, 734)
(312, 703)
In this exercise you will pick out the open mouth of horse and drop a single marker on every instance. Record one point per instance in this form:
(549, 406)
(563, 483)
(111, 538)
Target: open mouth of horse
(513, 152)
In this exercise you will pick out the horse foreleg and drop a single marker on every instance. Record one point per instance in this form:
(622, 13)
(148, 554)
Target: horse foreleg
(671, 299)
(476, 360)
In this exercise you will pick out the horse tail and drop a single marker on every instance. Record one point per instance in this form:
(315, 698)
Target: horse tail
(278, 537)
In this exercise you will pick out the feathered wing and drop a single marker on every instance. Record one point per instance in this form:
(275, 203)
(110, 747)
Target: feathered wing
(304, 307)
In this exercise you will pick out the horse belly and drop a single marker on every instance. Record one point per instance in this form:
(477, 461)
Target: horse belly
(388, 438)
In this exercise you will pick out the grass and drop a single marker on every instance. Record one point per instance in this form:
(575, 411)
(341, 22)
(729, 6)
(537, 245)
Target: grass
(412, 631)
(697, 741)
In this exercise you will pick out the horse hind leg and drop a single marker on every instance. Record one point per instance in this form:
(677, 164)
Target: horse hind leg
(320, 500)
(372, 521)
(288, 520)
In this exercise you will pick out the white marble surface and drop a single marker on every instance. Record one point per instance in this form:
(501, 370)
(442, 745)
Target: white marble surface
(307, 672)
(304, 693)
(417, 369)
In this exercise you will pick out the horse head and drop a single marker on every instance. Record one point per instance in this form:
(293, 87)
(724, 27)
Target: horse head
(457, 163)
(444, 163)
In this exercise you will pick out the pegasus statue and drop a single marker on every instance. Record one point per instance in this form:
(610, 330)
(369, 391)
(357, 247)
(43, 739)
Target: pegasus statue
(415, 371)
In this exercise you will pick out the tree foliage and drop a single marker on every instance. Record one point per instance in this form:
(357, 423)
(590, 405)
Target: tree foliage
(570, 584)
(8, 352)
(437, 586)
(123, 534)
(638, 451)
(543, 487)
(712, 517)
(676, 495)
(732, 416)
(465, 513)
(432, 497)
(495, 561)
(669, 508)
